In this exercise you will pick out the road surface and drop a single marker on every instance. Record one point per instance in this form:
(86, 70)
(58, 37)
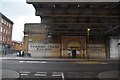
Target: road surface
(52, 69)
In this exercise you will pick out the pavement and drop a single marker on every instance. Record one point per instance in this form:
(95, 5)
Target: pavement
(109, 74)
(10, 74)
(79, 61)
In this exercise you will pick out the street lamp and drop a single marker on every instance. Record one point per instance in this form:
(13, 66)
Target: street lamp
(88, 34)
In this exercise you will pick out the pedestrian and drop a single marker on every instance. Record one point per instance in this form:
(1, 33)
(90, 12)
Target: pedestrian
(22, 53)
(18, 54)
(69, 53)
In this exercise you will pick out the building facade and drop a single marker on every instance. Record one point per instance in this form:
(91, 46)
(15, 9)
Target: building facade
(82, 29)
(0, 34)
(38, 42)
(17, 46)
(6, 34)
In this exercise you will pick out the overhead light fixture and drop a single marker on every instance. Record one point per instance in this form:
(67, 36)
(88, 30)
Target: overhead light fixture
(54, 5)
(49, 36)
(91, 6)
(106, 6)
(88, 29)
(78, 5)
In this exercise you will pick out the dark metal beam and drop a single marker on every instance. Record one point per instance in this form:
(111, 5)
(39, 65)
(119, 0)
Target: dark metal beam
(73, 18)
(62, 23)
(112, 29)
(66, 15)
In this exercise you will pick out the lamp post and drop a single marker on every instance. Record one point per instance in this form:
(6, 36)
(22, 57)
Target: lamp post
(88, 34)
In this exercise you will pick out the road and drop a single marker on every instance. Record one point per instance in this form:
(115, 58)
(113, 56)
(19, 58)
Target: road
(56, 69)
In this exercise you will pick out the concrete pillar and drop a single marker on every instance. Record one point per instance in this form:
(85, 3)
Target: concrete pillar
(114, 47)
(107, 47)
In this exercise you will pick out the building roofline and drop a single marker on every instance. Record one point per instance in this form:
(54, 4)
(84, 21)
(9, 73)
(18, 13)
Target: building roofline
(33, 24)
(4, 17)
(17, 41)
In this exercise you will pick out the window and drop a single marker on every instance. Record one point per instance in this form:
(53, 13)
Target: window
(8, 40)
(1, 29)
(3, 38)
(5, 22)
(9, 25)
(2, 20)
(9, 32)
(4, 31)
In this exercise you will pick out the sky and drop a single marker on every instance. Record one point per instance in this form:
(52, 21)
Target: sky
(20, 13)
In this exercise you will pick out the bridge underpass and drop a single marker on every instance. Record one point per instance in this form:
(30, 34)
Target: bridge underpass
(81, 26)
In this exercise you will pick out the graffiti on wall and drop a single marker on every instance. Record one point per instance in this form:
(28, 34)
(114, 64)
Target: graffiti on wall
(96, 48)
(42, 46)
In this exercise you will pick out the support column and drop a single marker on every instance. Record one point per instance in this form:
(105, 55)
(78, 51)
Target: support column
(107, 47)
(60, 46)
